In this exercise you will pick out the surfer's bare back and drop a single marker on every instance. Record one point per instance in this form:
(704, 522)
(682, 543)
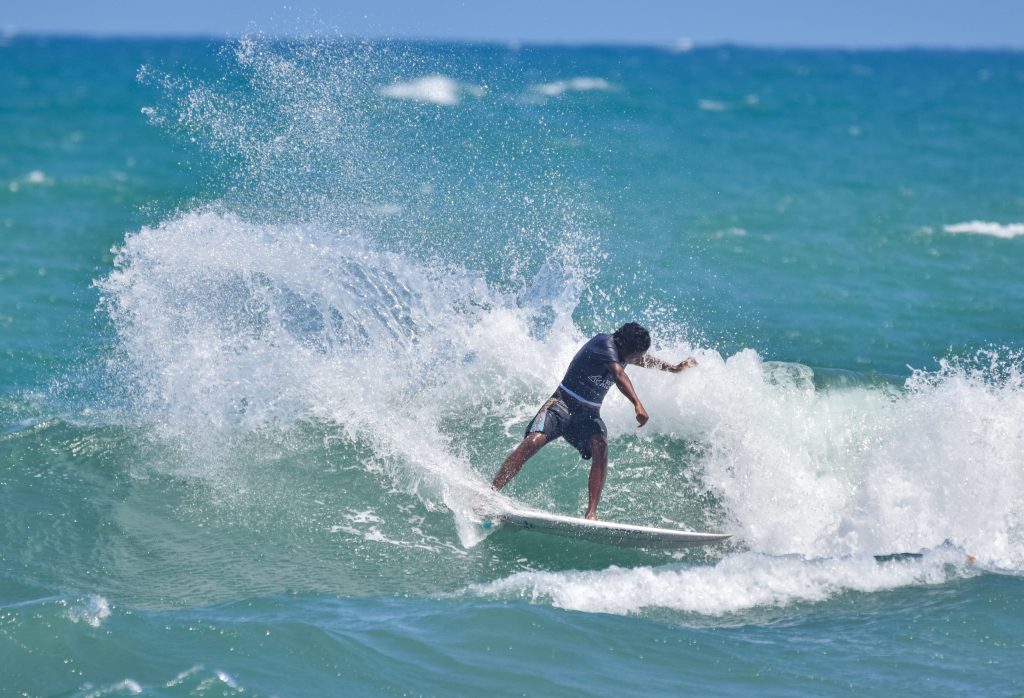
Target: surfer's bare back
(573, 411)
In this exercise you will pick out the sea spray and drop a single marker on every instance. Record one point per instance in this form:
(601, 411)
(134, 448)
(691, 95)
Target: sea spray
(227, 326)
(303, 131)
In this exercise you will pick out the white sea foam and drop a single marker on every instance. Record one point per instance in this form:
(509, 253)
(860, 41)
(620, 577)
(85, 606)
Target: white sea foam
(579, 84)
(92, 611)
(737, 583)
(432, 89)
(182, 676)
(227, 679)
(128, 687)
(33, 178)
(711, 105)
(999, 230)
(716, 105)
(854, 470)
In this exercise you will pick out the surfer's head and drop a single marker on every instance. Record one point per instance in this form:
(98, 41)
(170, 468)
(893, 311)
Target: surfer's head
(631, 339)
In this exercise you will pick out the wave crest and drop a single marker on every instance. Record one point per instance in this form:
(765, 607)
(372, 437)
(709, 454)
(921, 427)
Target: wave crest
(998, 230)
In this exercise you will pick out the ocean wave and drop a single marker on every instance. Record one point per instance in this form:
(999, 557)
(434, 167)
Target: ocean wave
(999, 230)
(432, 89)
(718, 105)
(229, 325)
(579, 84)
(738, 583)
(859, 469)
(126, 687)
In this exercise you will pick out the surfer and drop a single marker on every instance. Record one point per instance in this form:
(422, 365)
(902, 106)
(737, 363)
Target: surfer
(573, 411)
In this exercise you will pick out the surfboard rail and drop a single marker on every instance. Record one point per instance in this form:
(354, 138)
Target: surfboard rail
(609, 532)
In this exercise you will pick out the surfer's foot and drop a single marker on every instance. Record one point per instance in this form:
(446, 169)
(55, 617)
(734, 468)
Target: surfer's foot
(591, 516)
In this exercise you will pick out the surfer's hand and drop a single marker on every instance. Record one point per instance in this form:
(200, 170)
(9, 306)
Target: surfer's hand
(683, 365)
(641, 415)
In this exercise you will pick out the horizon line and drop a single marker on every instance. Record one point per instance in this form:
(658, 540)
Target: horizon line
(680, 46)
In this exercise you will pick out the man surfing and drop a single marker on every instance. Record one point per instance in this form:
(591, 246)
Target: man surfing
(573, 411)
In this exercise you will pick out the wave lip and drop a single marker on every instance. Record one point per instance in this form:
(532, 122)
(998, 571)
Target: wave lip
(976, 227)
(432, 89)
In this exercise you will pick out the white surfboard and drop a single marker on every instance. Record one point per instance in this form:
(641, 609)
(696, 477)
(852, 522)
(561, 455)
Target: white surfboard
(602, 531)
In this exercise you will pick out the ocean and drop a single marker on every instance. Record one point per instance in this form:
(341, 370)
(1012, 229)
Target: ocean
(272, 312)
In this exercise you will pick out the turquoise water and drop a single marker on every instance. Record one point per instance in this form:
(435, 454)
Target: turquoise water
(272, 313)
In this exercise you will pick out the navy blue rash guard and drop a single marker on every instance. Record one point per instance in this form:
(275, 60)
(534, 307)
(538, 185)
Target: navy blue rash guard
(588, 379)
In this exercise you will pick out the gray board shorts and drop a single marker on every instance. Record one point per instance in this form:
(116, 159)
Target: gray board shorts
(562, 417)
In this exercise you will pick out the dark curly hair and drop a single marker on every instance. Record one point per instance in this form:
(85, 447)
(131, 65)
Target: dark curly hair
(631, 338)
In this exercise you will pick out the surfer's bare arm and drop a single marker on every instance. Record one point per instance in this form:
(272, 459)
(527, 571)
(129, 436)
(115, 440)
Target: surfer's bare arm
(648, 361)
(625, 386)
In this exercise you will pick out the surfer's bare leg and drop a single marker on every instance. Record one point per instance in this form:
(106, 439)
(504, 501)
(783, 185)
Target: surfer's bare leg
(522, 453)
(598, 470)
